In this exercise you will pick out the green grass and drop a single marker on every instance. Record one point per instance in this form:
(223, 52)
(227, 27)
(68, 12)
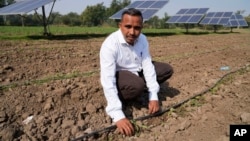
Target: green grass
(78, 32)
(66, 32)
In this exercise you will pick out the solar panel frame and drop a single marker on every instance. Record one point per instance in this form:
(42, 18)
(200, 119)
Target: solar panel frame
(205, 20)
(158, 4)
(216, 18)
(192, 15)
(146, 4)
(118, 14)
(236, 20)
(239, 17)
(182, 11)
(214, 21)
(147, 7)
(23, 7)
(173, 19)
(210, 14)
(218, 14)
(134, 4)
(195, 19)
(202, 11)
(243, 23)
(223, 21)
(234, 23)
(228, 14)
(233, 17)
(149, 12)
(184, 18)
(191, 11)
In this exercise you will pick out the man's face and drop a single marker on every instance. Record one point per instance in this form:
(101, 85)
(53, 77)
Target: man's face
(131, 27)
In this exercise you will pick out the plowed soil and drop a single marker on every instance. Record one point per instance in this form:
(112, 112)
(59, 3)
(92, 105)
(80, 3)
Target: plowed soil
(50, 89)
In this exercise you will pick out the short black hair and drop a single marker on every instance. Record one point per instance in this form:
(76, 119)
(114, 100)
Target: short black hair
(132, 12)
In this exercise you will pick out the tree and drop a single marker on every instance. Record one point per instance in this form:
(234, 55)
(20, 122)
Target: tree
(55, 18)
(153, 22)
(71, 19)
(94, 15)
(156, 22)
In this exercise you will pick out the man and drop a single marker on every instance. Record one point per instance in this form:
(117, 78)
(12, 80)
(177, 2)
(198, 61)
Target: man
(127, 69)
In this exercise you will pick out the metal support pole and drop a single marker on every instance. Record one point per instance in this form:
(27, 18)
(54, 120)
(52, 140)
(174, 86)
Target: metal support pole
(44, 22)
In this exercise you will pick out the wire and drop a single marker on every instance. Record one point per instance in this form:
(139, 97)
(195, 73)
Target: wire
(112, 127)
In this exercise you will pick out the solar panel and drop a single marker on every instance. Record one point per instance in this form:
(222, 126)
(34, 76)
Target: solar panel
(159, 4)
(210, 14)
(195, 18)
(202, 11)
(147, 7)
(193, 15)
(182, 11)
(146, 4)
(227, 14)
(173, 19)
(219, 14)
(191, 11)
(205, 20)
(23, 6)
(216, 18)
(236, 20)
(184, 18)
(223, 21)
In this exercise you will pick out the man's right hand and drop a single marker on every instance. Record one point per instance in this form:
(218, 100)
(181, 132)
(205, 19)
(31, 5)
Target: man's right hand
(125, 127)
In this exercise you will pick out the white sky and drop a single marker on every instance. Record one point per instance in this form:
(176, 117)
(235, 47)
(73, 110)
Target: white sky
(173, 6)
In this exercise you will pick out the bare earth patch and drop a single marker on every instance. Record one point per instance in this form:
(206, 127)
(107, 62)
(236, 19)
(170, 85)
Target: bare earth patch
(50, 89)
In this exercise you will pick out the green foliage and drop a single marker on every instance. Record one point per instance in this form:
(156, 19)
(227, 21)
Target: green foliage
(16, 32)
(25, 32)
(94, 15)
(71, 19)
(55, 18)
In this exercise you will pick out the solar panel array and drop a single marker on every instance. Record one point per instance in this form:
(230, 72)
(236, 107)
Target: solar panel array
(23, 6)
(236, 20)
(147, 7)
(217, 18)
(193, 15)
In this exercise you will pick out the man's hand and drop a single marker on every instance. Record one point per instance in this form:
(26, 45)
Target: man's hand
(125, 127)
(153, 106)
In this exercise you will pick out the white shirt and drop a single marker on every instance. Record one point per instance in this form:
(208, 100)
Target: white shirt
(116, 54)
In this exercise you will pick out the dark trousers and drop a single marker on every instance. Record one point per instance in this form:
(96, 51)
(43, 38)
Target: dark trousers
(131, 86)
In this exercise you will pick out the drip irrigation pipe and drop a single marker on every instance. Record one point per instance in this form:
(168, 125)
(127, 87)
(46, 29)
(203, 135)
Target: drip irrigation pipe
(112, 127)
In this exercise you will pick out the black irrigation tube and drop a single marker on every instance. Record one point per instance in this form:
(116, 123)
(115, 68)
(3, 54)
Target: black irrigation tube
(112, 127)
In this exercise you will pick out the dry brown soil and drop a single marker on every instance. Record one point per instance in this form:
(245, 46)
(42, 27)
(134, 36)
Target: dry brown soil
(50, 89)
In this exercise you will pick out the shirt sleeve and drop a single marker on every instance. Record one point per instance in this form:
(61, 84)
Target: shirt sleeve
(108, 81)
(149, 72)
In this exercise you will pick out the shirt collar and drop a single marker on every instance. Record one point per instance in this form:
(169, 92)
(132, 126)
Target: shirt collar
(121, 37)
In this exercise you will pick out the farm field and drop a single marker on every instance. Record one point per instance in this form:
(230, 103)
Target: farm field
(50, 89)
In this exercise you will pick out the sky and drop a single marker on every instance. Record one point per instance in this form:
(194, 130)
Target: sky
(171, 8)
